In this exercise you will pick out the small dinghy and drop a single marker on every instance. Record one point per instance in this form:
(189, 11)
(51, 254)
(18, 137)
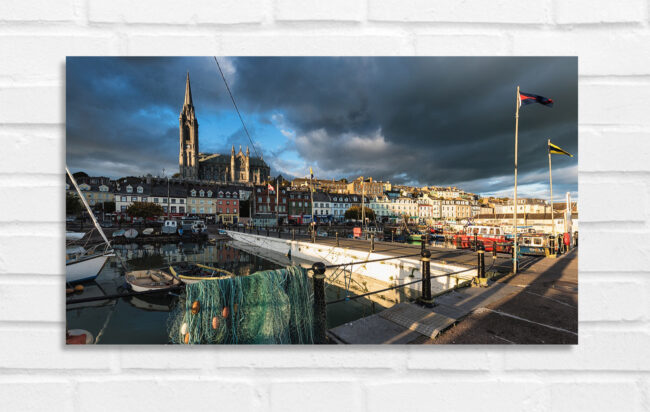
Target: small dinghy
(151, 279)
(74, 235)
(148, 231)
(78, 337)
(193, 272)
(118, 233)
(131, 234)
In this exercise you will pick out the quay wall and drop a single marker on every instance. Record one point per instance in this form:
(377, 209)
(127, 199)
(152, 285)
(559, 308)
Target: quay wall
(367, 276)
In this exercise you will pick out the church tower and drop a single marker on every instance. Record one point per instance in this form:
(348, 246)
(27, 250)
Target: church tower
(188, 156)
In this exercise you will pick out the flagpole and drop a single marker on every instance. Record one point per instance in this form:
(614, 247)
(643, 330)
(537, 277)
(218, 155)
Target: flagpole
(514, 261)
(311, 194)
(277, 201)
(550, 178)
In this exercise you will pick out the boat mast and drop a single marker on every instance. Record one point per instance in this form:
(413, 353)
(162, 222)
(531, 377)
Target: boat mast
(83, 200)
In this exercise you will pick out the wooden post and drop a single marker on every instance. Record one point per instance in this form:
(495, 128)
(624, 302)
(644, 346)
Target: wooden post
(514, 257)
(320, 308)
(550, 178)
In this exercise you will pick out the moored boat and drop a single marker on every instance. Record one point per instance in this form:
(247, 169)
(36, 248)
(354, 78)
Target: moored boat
(148, 231)
(150, 279)
(78, 337)
(131, 234)
(118, 233)
(195, 272)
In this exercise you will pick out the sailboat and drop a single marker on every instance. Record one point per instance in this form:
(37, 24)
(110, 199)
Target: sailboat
(83, 264)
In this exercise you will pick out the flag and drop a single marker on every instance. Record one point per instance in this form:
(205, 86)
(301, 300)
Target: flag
(529, 98)
(553, 149)
(311, 173)
(271, 188)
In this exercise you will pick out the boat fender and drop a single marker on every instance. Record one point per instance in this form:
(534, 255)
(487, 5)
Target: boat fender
(184, 328)
(187, 338)
(215, 322)
(79, 288)
(225, 312)
(196, 306)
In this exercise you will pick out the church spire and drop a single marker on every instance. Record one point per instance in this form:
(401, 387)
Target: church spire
(188, 91)
(232, 151)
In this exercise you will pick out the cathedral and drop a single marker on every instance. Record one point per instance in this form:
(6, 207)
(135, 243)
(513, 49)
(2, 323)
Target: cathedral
(237, 168)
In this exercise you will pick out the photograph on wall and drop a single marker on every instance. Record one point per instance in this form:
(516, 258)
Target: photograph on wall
(321, 200)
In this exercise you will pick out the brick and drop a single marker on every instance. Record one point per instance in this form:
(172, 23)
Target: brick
(461, 45)
(613, 103)
(191, 393)
(18, 254)
(453, 394)
(612, 299)
(473, 11)
(609, 151)
(44, 348)
(600, 11)
(624, 251)
(30, 208)
(306, 357)
(598, 350)
(616, 206)
(590, 46)
(43, 144)
(316, 396)
(170, 45)
(595, 396)
(452, 358)
(31, 395)
(38, 10)
(201, 11)
(33, 104)
(16, 301)
(299, 45)
(338, 10)
(42, 58)
(161, 358)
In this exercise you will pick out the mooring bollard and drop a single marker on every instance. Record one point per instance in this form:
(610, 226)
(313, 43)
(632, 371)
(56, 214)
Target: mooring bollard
(337, 239)
(372, 242)
(293, 234)
(267, 231)
(481, 264)
(320, 309)
(426, 299)
(313, 236)
(475, 242)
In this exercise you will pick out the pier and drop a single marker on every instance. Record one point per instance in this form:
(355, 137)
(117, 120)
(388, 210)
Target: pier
(538, 305)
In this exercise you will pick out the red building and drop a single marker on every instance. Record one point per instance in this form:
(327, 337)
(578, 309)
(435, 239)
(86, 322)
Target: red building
(271, 204)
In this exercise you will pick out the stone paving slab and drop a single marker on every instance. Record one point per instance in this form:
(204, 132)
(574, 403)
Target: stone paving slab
(419, 319)
(373, 330)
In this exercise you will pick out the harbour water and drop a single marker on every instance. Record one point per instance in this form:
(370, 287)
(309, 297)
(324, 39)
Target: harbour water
(143, 319)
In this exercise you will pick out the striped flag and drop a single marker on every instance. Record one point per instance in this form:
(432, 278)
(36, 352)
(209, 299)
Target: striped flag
(529, 98)
(271, 188)
(554, 149)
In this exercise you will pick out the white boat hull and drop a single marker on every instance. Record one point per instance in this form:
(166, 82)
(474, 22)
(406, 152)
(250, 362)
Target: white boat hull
(86, 269)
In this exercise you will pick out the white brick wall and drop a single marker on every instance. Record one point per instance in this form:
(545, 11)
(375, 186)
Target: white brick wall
(607, 371)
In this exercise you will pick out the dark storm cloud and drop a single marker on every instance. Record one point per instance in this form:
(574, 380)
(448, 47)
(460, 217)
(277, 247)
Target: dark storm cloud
(417, 120)
(443, 120)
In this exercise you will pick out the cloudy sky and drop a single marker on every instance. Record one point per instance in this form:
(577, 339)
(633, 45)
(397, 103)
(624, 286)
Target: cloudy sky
(419, 120)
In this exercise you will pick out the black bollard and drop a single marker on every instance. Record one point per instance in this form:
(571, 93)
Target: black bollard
(392, 236)
(320, 309)
(372, 242)
(426, 299)
(494, 250)
(279, 232)
(475, 242)
(481, 264)
(337, 239)
(313, 236)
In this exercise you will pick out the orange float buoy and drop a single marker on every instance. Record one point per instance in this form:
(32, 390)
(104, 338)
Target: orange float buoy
(215, 322)
(187, 338)
(225, 312)
(79, 288)
(196, 306)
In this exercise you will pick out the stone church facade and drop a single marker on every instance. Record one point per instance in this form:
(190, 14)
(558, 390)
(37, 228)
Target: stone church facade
(237, 168)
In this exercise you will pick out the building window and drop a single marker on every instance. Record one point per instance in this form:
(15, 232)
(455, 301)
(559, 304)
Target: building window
(193, 192)
(173, 209)
(181, 201)
(202, 210)
(181, 209)
(134, 199)
(123, 208)
(234, 203)
(201, 193)
(227, 210)
(193, 210)
(140, 189)
(209, 193)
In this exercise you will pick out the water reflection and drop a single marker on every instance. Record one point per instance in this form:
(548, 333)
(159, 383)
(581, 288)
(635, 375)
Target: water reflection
(143, 319)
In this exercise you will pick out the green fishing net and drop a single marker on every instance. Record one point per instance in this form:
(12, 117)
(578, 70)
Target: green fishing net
(267, 307)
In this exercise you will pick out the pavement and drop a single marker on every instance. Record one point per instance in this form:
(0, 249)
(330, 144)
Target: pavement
(539, 305)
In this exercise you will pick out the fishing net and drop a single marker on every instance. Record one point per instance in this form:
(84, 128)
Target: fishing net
(267, 307)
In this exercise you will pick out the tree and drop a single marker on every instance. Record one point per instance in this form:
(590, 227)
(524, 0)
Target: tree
(108, 207)
(144, 210)
(355, 213)
(176, 175)
(73, 204)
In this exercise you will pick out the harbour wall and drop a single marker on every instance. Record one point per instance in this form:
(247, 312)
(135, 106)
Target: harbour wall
(364, 277)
